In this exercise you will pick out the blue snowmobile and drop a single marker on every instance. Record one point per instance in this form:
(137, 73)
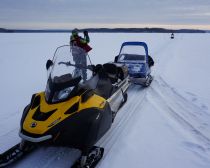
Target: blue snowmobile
(135, 56)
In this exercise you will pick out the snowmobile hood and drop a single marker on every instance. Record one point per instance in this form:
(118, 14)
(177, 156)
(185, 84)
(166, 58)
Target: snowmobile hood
(42, 116)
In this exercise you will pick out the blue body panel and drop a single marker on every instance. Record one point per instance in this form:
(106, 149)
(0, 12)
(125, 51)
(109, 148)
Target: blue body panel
(137, 69)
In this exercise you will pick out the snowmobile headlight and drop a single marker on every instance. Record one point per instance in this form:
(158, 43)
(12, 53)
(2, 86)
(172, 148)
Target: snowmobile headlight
(62, 94)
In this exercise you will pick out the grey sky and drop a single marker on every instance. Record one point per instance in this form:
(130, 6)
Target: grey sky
(104, 13)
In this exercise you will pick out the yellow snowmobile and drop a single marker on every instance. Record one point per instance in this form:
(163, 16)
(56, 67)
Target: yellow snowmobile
(76, 109)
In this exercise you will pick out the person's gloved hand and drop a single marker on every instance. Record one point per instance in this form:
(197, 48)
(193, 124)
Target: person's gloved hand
(85, 33)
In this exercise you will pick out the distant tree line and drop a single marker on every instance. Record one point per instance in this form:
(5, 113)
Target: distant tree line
(108, 30)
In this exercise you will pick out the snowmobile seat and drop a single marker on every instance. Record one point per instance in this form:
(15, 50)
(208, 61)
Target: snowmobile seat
(100, 83)
(104, 84)
(112, 72)
(97, 68)
(62, 79)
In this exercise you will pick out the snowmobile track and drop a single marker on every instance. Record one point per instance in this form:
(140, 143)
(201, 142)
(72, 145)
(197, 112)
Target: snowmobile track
(156, 91)
(123, 117)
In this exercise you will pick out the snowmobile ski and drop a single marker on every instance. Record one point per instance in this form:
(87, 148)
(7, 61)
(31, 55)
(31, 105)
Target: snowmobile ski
(15, 153)
(148, 81)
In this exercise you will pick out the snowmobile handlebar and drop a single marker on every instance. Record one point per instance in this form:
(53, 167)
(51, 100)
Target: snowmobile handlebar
(90, 67)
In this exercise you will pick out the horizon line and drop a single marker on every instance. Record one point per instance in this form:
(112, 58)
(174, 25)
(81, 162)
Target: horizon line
(70, 26)
(66, 29)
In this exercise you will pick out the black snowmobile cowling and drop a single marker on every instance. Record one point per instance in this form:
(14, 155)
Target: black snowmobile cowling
(77, 107)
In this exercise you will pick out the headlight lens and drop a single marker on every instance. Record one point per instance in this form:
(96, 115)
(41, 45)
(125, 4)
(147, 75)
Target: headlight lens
(62, 94)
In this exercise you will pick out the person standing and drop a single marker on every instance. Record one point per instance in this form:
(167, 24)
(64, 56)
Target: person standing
(80, 48)
(76, 40)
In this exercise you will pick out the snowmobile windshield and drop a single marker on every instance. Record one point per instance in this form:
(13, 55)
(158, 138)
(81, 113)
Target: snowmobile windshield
(70, 68)
(132, 53)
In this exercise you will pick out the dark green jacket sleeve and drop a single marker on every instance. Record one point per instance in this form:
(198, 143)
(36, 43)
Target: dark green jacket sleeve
(81, 40)
(85, 40)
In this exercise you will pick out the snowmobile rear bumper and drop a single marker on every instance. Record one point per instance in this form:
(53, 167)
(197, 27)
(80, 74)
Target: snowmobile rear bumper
(35, 140)
(142, 81)
(137, 80)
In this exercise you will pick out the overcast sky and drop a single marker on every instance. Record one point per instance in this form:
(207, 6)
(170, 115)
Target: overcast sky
(67, 14)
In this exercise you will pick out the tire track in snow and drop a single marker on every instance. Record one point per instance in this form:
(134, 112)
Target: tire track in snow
(9, 128)
(181, 99)
(168, 106)
(122, 119)
(187, 110)
(162, 57)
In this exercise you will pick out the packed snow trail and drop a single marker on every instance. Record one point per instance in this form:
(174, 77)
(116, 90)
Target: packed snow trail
(157, 134)
(158, 127)
(123, 117)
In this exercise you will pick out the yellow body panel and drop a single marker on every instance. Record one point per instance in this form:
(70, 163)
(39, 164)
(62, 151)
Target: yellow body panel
(94, 101)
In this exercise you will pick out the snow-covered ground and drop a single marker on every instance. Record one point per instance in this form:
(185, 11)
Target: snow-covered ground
(164, 125)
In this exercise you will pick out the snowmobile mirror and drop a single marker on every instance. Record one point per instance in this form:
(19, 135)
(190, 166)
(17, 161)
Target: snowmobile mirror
(116, 58)
(49, 64)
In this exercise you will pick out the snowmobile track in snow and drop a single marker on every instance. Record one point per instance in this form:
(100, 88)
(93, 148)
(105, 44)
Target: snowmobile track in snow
(186, 115)
(123, 117)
